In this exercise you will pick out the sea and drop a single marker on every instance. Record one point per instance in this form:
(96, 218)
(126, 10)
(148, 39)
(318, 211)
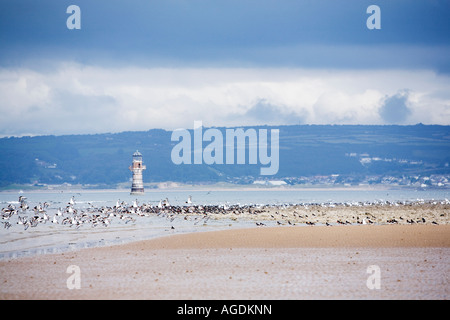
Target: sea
(47, 237)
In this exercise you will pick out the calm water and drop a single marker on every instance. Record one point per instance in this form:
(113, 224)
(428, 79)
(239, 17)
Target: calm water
(48, 237)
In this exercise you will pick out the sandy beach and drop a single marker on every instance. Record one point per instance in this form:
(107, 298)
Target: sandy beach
(308, 262)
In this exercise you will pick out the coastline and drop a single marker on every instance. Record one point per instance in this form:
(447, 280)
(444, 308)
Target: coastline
(175, 187)
(256, 263)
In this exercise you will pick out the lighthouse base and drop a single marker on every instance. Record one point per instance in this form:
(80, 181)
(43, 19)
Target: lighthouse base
(137, 192)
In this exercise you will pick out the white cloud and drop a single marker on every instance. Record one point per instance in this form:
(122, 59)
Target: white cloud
(74, 98)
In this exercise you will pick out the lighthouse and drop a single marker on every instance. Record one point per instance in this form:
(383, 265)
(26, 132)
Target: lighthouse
(137, 187)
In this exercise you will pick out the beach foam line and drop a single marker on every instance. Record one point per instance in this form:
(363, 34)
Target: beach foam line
(304, 237)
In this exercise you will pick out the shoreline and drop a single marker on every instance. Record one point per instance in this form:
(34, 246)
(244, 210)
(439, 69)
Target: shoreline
(88, 229)
(222, 188)
(256, 263)
(314, 251)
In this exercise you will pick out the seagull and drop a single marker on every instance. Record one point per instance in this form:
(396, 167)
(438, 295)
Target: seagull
(7, 225)
(24, 206)
(22, 220)
(189, 200)
(72, 201)
(166, 202)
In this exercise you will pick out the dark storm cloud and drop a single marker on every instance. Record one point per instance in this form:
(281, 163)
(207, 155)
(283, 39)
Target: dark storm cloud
(330, 34)
(139, 64)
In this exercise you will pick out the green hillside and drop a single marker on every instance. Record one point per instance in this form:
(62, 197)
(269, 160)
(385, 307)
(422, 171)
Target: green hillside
(305, 150)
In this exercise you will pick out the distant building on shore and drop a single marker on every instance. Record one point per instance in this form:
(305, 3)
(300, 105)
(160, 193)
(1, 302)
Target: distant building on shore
(137, 186)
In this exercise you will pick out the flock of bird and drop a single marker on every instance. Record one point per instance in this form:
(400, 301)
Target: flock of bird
(72, 216)
(40, 214)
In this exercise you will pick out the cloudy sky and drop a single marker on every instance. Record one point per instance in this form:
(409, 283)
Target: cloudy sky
(138, 65)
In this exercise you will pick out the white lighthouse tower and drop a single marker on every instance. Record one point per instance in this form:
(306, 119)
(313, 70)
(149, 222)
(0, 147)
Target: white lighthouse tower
(137, 187)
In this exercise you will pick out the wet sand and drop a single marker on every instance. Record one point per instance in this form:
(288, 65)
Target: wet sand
(431, 212)
(314, 262)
